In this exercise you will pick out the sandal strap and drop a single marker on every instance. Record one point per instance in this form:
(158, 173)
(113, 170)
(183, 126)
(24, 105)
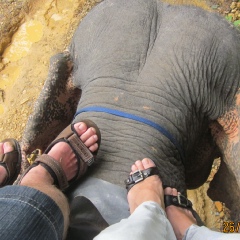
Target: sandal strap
(139, 176)
(70, 136)
(80, 148)
(84, 156)
(55, 170)
(179, 201)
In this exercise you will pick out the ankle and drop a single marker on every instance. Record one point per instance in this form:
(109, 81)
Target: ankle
(37, 175)
(181, 220)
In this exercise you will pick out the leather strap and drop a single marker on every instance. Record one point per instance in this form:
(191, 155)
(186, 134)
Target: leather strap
(139, 176)
(179, 201)
(70, 136)
(55, 169)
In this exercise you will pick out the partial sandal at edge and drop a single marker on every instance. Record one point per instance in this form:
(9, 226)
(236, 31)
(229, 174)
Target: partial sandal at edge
(11, 161)
(181, 201)
(84, 156)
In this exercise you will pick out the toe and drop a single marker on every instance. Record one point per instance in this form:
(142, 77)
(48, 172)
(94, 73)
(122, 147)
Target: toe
(147, 163)
(88, 134)
(174, 192)
(139, 165)
(91, 140)
(94, 147)
(7, 147)
(134, 168)
(168, 191)
(80, 128)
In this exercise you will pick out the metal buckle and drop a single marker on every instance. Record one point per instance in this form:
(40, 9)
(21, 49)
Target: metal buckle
(183, 201)
(137, 176)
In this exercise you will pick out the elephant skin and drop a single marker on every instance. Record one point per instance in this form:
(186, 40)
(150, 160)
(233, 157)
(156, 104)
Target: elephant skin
(177, 66)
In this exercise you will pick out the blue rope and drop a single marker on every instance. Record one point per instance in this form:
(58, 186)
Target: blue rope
(133, 117)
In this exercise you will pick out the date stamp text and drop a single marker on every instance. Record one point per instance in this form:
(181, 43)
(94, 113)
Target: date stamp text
(231, 227)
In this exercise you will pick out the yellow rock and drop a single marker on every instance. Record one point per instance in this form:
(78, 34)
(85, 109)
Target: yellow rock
(233, 5)
(222, 214)
(219, 206)
(238, 5)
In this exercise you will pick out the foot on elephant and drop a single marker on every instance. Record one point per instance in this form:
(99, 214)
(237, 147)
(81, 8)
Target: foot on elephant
(180, 218)
(63, 163)
(150, 189)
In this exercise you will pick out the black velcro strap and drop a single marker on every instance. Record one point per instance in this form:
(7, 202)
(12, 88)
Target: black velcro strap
(139, 176)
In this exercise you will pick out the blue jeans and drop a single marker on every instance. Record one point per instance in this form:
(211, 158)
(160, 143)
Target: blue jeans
(26, 213)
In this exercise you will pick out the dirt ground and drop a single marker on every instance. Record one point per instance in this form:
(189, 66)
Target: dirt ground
(31, 32)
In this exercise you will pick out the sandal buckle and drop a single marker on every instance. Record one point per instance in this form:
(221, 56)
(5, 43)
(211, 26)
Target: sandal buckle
(137, 176)
(183, 201)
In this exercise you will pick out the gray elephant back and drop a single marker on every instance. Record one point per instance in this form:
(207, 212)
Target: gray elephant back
(167, 64)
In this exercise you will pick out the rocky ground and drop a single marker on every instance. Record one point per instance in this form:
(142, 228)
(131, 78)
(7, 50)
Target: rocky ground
(31, 32)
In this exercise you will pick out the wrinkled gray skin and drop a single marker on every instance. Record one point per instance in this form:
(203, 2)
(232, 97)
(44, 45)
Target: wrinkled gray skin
(176, 66)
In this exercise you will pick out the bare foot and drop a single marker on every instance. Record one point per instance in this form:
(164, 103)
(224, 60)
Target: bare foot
(63, 153)
(4, 148)
(150, 189)
(180, 218)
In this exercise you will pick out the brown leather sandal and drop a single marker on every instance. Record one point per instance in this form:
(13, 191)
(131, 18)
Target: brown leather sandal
(11, 161)
(85, 157)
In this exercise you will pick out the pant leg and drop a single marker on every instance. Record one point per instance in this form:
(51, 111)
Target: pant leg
(200, 233)
(148, 221)
(26, 213)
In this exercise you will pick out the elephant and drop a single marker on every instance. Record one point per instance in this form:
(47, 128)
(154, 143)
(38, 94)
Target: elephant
(160, 81)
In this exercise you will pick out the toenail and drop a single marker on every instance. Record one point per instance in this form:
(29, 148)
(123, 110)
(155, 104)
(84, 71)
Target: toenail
(95, 137)
(93, 129)
(81, 126)
(138, 162)
(146, 160)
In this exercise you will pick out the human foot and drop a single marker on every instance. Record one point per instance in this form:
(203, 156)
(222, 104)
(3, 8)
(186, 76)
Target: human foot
(10, 161)
(180, 218)
(63, 161)
(150, 189)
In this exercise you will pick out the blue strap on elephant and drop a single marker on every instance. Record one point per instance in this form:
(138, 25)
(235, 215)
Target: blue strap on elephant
(136, 118)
